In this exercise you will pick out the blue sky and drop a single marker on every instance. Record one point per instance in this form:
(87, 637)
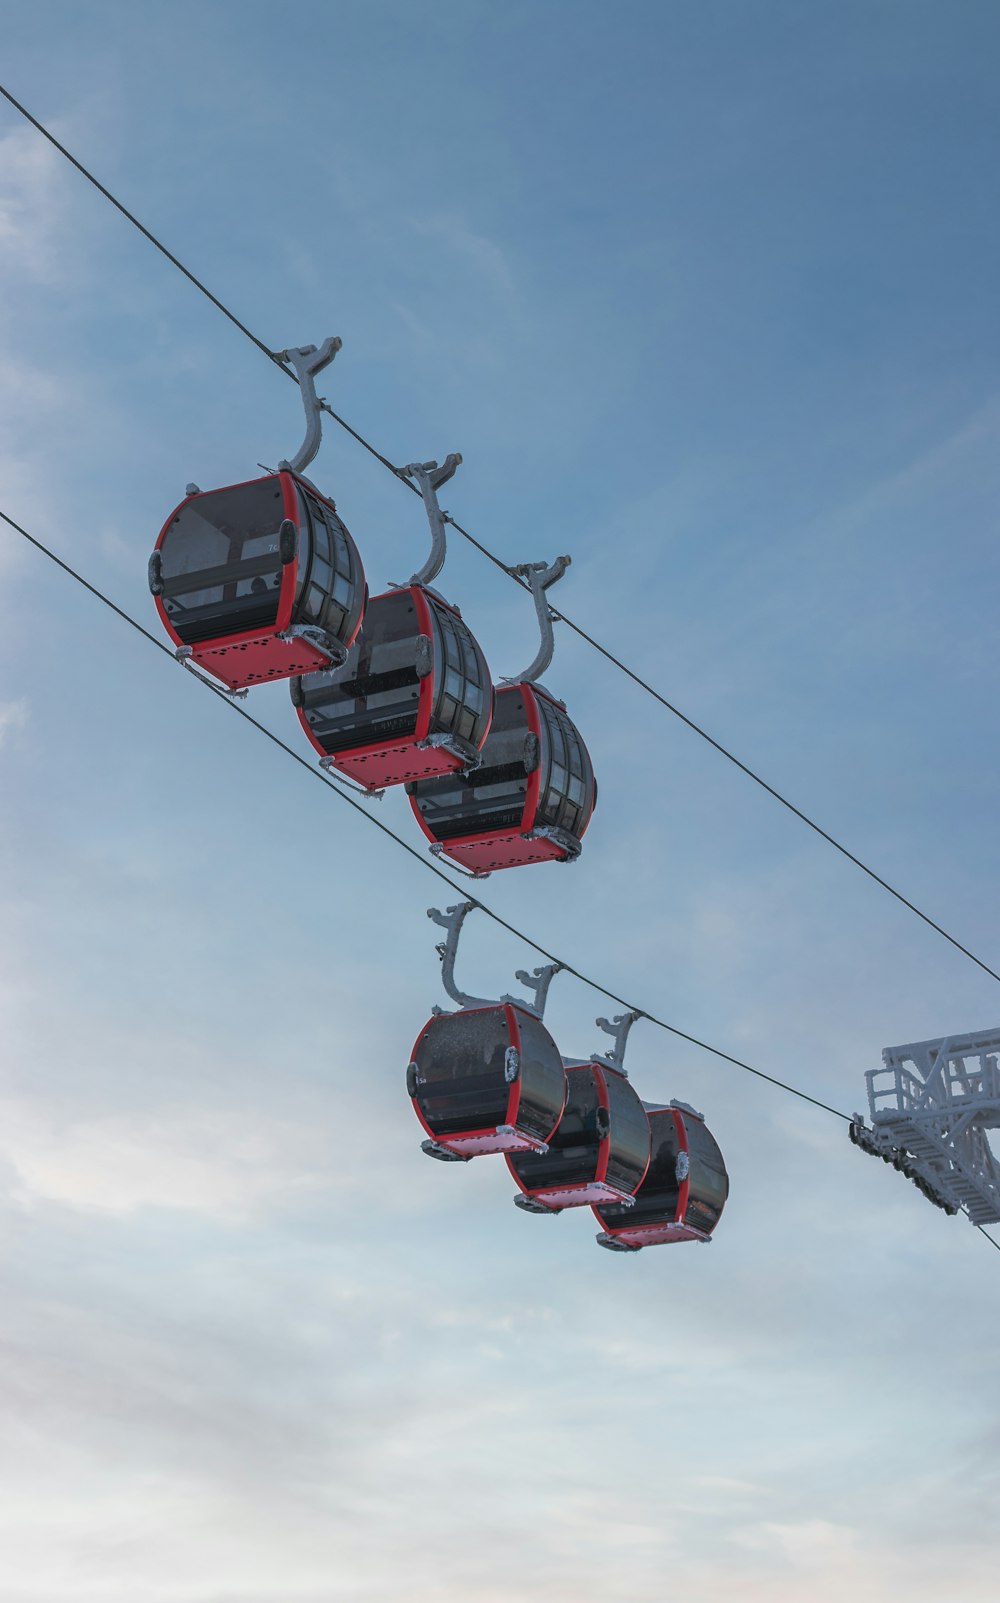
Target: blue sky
(705, 295)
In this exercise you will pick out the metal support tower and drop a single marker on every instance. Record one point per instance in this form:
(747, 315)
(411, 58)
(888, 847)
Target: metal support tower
(931, 1105)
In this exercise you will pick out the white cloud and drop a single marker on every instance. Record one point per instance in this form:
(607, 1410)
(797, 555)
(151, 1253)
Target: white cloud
(32, 222)
(225, 1166)
(13, 716)
(808, 1544)
(31, 401)
(483, 255)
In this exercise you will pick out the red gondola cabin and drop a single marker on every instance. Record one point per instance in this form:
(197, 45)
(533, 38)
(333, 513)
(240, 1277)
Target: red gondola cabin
(599, 1151)
(530, 799)
(414, 698)
(685, 1189)
(486, 1079)
(258, 581)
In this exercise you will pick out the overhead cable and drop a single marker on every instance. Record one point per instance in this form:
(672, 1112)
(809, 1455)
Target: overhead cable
(498, 562)
(324, 779)
(425, 861)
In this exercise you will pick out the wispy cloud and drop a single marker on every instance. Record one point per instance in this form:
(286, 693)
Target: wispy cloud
(13, 716)
(32, 224)
(484, 257)
(222, 1166)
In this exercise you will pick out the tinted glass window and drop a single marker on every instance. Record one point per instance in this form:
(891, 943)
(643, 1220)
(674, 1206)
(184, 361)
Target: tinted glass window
(461, 683)
(543, 1078)
(374, 697)
(574, 1147)
(492, 796)
(567, 777)
(629, 1133)
(709, 1180)
(656, 1199)
(461, 1083)
(220, 561)
(332, 567)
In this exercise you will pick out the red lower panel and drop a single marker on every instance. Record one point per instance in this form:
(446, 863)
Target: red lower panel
(657, 1235)
(259, 658)
(375, 766)
(500, 851)
(580, 1196)
(503, 1139)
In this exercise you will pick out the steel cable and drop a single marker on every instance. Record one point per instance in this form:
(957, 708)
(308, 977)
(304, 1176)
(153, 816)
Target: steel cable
(420, 857)
(433, 867)
(498, 562)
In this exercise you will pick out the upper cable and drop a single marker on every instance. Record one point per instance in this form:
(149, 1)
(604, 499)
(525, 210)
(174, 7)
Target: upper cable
(604, 651)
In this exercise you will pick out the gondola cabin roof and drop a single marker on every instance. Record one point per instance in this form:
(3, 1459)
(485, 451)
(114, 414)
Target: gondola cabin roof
(684, 1191)
(258, 581)
(413, 700)
(531, 798)
(598, 1152)
(486, 1079)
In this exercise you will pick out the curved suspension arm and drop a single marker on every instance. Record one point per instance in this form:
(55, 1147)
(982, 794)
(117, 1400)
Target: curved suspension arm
(307, 362)
(618, 1027)
(429, 479)
(538, 982)
(539, 579)
(452, 920)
